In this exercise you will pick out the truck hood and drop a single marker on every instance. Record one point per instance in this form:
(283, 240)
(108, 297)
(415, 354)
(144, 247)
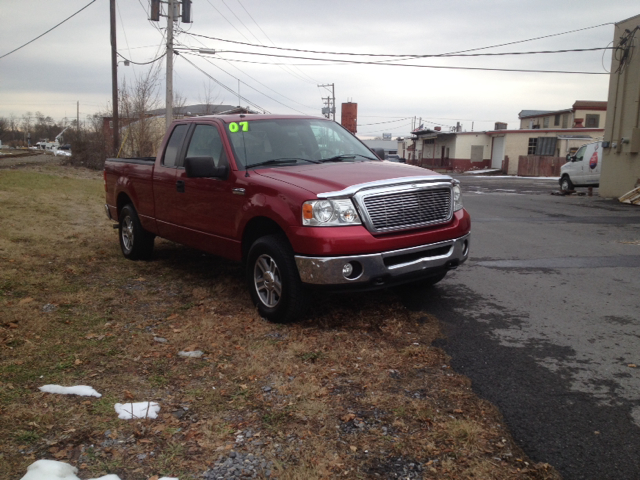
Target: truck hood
(333, 176)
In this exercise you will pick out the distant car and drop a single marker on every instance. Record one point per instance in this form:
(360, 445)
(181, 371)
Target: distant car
(64, 150)
(393, 158)
(583, 168)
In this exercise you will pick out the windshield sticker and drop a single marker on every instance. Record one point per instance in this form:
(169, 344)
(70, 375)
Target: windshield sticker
(235, 127)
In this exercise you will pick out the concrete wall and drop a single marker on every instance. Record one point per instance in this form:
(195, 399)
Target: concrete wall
(464, 142)
(621, 164)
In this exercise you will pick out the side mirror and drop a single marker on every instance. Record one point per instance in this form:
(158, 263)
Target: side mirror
(570, 158)
(204, 167)
(379, 152)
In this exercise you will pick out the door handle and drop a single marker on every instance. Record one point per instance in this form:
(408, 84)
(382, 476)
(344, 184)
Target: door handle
(180, 186)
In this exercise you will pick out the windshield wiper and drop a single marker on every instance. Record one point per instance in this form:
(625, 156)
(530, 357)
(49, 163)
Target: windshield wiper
(344, 156)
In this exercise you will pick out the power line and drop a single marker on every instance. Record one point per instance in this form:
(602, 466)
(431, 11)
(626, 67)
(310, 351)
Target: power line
(142, 63)
(409, 56)
(253, 88)
(355, 62)
(52, 28)
(223, 85)
(312, 80)
(380, 123)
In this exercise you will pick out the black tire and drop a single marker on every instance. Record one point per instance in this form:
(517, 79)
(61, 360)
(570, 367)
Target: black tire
(136, 243)
(565, 184)
(274, 282)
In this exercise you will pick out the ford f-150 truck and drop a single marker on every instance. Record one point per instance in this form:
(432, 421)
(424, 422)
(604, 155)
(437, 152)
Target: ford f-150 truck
(300, 201)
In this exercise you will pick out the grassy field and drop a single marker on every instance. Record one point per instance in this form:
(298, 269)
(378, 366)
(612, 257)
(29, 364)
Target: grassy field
(355, 390)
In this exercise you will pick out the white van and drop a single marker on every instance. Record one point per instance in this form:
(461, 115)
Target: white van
(583, 168)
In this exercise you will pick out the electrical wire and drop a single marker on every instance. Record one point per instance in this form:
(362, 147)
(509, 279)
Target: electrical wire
(254, 79)
(380, 123)
(143, 63)
(355, 62)
(223, 85)
(312, 80)
(52, 28)
(406, 56)
(253, 88)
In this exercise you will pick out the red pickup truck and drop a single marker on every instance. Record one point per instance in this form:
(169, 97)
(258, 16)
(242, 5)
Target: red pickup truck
(299, 200)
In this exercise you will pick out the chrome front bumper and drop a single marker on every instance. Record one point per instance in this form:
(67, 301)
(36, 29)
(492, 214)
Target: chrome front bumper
(378, 268)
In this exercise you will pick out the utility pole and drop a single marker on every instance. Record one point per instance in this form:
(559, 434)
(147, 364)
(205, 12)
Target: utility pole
(114, 78)
(330, 110)
(78, 118)
(169, 80)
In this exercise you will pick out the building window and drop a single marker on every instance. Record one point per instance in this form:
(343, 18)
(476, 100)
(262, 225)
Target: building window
(533, 143)
(593, 120)
(545, 122)
(556, 120)
(546, 146)
(565, 120)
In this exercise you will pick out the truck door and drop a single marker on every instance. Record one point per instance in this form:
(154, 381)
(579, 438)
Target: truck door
(208, 207)
(592, 161)
(577, 173)
(164, 183)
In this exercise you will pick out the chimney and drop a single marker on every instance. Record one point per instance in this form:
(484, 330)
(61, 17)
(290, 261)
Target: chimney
(437, 129)
(577, 123)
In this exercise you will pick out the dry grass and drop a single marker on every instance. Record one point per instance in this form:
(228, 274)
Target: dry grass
(355, 390)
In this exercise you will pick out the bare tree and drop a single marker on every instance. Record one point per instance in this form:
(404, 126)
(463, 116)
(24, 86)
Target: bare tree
(141, 133)
(179, 102)
(208, 98)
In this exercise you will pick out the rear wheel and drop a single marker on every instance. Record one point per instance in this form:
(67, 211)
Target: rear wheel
(136, 243)
(565, 184)
(273, 279)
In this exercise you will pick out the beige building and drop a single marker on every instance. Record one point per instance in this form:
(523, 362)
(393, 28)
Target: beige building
(583, 113)
(621, 155)
(502, 148)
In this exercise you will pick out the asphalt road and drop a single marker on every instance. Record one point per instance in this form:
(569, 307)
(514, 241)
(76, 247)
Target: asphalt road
(544, 319)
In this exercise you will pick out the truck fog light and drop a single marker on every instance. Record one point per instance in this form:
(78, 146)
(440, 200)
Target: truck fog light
(347, 270)
(465, 248)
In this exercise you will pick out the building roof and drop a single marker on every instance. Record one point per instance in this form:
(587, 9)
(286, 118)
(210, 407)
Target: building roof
(589, 105)
(533, 113)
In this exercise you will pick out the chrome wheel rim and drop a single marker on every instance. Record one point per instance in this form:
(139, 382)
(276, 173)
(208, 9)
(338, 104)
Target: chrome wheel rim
(565, 185)
(267, 281)
(127, 233)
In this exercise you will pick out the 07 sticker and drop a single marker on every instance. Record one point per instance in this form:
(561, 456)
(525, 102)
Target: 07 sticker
(235, 127)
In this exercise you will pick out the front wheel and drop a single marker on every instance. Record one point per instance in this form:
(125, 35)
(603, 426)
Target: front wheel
(565, 184)
(273, 280)
(136, 243)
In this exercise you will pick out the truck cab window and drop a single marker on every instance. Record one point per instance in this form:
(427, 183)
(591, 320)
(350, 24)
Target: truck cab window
(174, 145)
(580, 154)
(206, 142)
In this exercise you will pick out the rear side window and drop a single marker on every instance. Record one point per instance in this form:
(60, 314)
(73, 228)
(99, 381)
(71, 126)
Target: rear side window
(174, 145)
(206, 142)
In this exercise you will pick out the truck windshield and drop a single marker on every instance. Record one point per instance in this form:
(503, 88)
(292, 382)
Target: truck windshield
(305, 140)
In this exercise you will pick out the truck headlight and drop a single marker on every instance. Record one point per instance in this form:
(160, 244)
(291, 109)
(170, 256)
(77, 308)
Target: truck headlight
(330, 213)
(457, 198)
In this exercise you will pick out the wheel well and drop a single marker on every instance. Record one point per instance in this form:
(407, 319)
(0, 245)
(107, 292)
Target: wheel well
(123, 199)
(256, 228)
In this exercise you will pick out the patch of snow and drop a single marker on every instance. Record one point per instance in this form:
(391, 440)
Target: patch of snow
(50, 470)
(194, 354)
(127, 411)
(82, 390)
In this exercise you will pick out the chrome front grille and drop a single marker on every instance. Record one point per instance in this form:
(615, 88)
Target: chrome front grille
(407, 209)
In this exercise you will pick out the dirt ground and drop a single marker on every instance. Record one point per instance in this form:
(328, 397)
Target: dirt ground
(354, 390)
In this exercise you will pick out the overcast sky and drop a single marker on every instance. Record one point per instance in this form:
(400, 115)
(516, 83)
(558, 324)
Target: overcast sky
(73, 62)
